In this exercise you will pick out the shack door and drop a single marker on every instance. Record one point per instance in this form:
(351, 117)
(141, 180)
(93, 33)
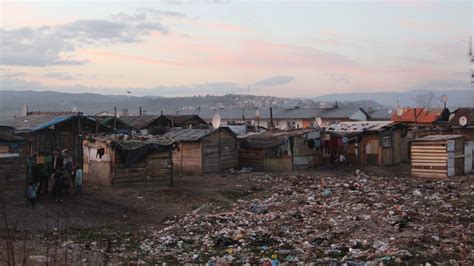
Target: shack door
(469, 157)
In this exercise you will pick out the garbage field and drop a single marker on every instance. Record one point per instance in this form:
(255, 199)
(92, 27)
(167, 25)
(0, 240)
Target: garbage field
(353, 219)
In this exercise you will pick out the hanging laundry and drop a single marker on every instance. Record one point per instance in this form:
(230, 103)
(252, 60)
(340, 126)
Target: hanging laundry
(100, 153)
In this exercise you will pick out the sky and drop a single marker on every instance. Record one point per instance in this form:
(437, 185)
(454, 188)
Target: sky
(278, 48)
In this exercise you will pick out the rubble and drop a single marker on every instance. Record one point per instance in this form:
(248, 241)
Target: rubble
(352, 219)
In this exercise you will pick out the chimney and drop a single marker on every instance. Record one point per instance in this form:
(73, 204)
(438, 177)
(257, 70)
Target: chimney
(140, 111)
(271, 118)
(336, 105)
(24, 110)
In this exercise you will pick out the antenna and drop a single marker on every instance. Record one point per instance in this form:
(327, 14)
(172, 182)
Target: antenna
(216, 121)
(444, 99)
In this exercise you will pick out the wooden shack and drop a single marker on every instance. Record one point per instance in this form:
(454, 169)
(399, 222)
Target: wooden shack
(365, 142)
(203, 151)
(47, 131)
(438, 156)
(281, 150)
(109, 161)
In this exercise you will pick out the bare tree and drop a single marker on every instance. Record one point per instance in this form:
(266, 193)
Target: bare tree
(424, 99)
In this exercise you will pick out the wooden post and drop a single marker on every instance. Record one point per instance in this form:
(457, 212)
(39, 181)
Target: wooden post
(170, 155)
(115, 117)
(271, 118)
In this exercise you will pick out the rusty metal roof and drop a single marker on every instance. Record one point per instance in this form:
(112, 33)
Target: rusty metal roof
(191, 134)
(139, 121)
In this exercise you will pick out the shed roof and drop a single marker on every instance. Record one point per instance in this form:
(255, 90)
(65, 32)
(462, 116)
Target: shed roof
(8, 137)
(271, 139)
(180, 120)
(360, 126)
(139, 121)
(438, 138)
(380, 114)
(191, 134)
(31, 123)
(418, 115)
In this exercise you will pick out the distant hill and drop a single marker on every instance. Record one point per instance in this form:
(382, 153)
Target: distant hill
(90, 103)
(456, 98)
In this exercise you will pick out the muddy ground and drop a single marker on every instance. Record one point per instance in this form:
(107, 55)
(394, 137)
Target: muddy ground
(111, 220)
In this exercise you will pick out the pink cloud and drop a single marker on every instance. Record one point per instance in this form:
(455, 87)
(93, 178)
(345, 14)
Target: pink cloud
(91, 54)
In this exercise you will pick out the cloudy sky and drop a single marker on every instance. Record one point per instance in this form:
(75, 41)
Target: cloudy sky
(279, 48)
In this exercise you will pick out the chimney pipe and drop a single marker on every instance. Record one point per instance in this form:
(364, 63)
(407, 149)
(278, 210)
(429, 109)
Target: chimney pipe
(140, 111)
(271, 118)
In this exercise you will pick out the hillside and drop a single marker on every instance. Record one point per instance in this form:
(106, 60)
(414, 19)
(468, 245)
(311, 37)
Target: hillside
(89, 103)
(456, 98)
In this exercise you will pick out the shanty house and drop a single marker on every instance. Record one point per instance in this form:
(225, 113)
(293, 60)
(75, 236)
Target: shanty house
(367, 142)
(203, 151)
(461, 122)
(437, 156)
(112, 160)
(281, 150)
(168, 121)
(141, 123)
(114, 122)
(47, 131)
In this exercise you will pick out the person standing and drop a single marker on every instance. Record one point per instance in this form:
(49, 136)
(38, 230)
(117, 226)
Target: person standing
(31, 194)
(57, 160)
(78, 180)
(58, 185)
(67, 167)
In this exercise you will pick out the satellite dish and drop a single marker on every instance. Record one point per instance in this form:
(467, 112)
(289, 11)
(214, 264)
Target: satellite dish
(451, 116)
(463, 121)
(257, 113)
(390, 111)
(319, 121)
(216, 121)
(399, 112)
(444, 98)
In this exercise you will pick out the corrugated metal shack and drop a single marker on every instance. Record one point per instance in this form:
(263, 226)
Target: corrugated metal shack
(365, 142)
(112, 160)
(437, 156)
(47, 131)
(281, 150)
(203, 151)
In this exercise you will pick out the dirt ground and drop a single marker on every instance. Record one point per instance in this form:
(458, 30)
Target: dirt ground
(89, 229)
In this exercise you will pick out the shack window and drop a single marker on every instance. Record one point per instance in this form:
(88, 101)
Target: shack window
(387, 142)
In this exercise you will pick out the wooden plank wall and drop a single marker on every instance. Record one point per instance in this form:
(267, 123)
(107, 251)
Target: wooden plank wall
(188, 159)
(12, 167)
(155, 167)
(251, 158)
(219, 152)
(429, 159)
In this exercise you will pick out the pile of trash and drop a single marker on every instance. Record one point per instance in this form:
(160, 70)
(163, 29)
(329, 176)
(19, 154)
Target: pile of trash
(352, 219)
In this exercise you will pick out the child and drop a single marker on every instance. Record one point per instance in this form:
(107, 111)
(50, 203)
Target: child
(31, 194)
(78, 180)
(58, 185)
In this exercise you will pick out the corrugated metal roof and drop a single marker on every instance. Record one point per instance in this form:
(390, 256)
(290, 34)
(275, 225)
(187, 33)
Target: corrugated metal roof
(139, 121)
(31, 123)
(271, 139)
(191, 134)
(380, 115)
(360, 126)
(417, 115)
